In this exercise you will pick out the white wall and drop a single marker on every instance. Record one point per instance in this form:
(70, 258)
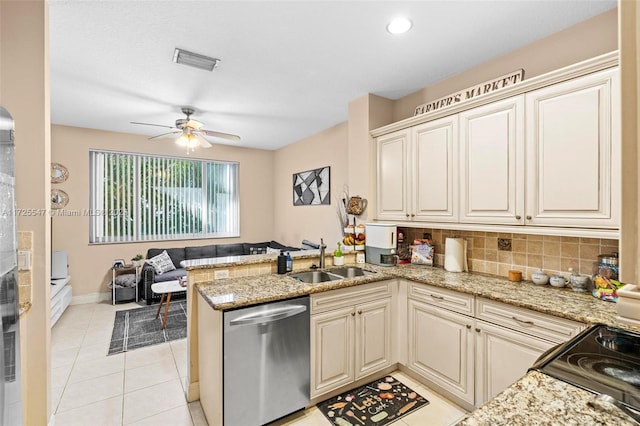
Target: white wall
(292, 223)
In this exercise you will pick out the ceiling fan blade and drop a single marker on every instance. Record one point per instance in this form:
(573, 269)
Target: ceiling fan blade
(221, 135)
(149, 124)
(175, 132)
(203, 142)
(193, 124)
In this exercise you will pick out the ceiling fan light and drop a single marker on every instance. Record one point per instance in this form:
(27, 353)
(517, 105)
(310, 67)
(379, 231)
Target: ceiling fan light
(192, 141)
(181, 56)
(183, 140)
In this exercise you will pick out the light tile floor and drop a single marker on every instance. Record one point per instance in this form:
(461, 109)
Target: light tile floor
(146, 386)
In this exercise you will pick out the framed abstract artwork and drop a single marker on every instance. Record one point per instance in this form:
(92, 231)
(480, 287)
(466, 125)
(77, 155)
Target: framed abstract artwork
(312, 187)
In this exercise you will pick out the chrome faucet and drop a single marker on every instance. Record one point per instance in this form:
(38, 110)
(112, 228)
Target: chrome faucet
(322, 247)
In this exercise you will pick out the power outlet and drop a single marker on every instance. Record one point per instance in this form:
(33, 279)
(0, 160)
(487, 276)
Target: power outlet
(222, 273)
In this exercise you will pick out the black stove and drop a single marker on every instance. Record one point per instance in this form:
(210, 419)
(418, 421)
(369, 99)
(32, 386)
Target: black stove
(601, 359)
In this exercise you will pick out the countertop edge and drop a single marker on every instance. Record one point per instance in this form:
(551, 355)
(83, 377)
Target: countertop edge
(481, 285)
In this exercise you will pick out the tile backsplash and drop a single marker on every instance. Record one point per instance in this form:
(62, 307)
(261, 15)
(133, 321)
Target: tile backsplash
(521, 252)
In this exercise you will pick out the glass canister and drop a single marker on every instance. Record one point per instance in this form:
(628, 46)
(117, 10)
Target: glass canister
(605, 277)
(607, 266)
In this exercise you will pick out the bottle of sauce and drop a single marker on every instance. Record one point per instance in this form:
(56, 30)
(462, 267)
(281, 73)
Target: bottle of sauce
(282, 263)
(289, 262)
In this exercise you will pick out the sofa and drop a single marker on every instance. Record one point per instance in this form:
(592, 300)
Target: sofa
(177, 255)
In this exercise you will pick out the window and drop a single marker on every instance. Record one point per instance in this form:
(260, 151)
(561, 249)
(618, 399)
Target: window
(144, 198)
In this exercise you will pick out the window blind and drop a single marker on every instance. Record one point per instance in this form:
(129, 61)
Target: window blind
(144, 198)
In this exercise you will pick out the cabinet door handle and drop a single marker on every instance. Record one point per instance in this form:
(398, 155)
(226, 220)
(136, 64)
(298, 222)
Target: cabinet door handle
(359, 312)
(522, 321)
(407, 214)
(413, 215)
(528, 217)
(468, 326)
(518, 217)
(435, 296)
(353, 314)
(477, 330)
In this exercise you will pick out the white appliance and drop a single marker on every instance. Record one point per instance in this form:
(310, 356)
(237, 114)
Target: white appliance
(59, 265)
(380, 245)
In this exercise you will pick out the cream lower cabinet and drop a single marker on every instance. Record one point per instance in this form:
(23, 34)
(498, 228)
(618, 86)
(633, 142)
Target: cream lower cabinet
(471, 348)
(441, 348)
(502, 357)
(353, 340)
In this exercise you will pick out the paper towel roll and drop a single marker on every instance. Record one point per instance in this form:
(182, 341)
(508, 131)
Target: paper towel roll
(455, 255)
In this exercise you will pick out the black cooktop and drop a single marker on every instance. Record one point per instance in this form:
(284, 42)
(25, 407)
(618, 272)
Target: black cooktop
(601, 359)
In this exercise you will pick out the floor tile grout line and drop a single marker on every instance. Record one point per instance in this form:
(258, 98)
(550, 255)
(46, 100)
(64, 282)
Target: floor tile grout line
(178, 350)
(161, 412)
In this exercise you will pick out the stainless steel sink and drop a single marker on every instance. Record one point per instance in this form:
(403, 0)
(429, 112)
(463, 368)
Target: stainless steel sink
(351, 272)
(314, 277)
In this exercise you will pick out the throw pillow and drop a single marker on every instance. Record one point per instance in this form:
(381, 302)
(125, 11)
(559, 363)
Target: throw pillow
(161, 263)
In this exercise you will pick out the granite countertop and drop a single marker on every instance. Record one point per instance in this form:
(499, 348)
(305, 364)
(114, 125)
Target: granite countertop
(537, 399)
(232, 293)
(562, 302)
(23, 308)
(250, 259)
(534, 399)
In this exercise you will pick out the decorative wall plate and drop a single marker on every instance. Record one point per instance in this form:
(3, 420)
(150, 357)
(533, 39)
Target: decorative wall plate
(59, 173)
(59, 198)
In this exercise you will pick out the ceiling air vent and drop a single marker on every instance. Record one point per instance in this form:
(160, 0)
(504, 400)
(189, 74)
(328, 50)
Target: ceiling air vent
(181, 56)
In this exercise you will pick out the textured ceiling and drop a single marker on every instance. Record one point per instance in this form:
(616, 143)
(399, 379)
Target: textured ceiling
(289, 68)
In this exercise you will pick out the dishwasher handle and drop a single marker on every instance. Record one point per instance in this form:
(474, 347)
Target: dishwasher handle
(268, 316)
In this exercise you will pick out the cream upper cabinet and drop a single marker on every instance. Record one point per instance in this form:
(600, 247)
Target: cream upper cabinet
(417, 175)
(492, 163)
(392, 178)
(573, 152)
(435, 170)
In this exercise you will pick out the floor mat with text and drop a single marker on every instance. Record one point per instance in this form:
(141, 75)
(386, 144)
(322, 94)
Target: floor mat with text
(375, 404)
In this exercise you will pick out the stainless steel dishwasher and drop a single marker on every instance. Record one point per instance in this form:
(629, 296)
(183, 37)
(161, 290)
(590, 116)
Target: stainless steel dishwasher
(266, 362)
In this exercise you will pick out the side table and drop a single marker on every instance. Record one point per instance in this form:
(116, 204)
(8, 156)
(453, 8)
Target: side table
(166, 288)
(126, 269)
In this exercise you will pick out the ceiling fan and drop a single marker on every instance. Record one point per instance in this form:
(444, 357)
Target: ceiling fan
(190, 132)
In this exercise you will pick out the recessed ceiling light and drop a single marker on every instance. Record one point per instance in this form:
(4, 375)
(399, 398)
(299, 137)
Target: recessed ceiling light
(399, 26)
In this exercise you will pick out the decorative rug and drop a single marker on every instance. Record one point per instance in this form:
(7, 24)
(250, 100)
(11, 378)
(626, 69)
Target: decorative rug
(139, 327)
(375, 404)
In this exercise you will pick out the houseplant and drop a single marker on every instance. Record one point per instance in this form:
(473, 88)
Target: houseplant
(135, 261)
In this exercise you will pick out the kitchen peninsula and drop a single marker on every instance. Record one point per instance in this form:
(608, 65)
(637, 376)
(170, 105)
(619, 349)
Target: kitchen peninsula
(252, 280)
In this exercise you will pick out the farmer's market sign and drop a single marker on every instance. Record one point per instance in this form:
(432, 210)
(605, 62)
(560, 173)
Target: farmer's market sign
(471, 92)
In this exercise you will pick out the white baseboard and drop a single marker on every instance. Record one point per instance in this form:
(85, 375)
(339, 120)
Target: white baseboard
(91, 298)
(52, 420)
